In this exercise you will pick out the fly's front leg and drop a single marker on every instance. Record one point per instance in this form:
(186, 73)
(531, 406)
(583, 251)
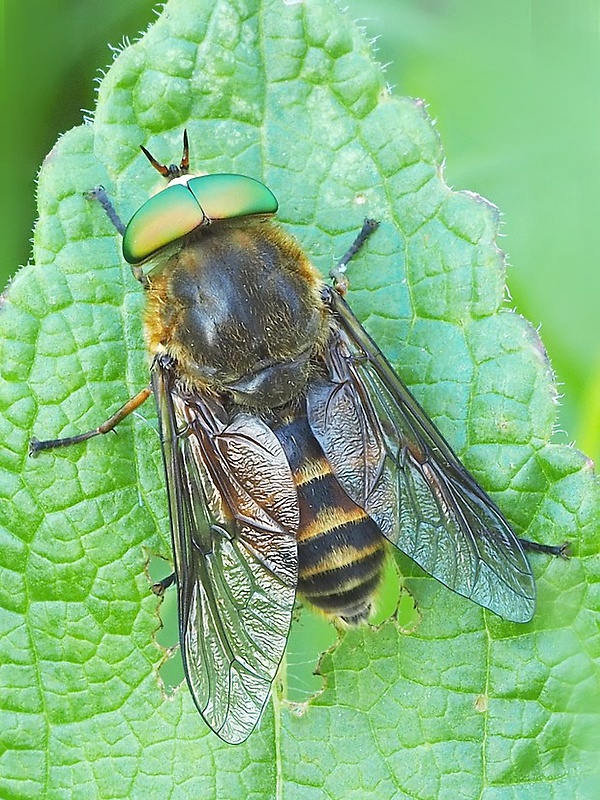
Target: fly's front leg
(338, 273)
(35, 446)
(100, 195)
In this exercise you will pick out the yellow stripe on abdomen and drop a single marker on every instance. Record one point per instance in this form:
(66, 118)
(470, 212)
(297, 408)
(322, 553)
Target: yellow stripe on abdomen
(341, 551)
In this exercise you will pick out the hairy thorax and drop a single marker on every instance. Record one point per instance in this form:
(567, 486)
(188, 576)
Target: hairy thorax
(238, 306)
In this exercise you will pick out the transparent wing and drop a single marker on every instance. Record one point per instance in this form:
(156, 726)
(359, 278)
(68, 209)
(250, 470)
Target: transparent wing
(393, 462)
(234, 517)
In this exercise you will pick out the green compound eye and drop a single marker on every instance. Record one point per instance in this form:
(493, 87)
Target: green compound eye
(162, 219)
(182, 207)
(227, 196)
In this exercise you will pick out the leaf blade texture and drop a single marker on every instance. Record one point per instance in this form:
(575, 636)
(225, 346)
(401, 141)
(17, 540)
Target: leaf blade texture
(465, 705)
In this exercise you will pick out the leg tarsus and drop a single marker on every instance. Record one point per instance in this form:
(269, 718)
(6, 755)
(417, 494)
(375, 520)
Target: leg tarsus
(559, 550)
(35, 446)
(160, 587)
(337, 274)
(99, 194)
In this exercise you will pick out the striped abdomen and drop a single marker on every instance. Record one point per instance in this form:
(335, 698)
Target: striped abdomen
(340, 549)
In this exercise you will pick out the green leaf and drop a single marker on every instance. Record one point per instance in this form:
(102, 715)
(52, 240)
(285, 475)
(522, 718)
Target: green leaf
(465, 705)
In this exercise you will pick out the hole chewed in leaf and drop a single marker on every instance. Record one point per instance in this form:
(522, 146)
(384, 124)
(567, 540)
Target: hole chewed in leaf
(167, 635)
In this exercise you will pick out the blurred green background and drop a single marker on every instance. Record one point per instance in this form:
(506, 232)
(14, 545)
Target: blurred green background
(514, 87)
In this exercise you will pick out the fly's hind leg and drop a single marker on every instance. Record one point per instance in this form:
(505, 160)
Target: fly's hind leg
(338, 273)
(560, 550)
(35, 446)
(160, 587)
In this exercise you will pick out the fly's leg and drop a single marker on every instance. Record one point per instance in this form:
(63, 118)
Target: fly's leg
(35, 446)
(338, 273)
(100, 196)
(160, 587)
(560, 550)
